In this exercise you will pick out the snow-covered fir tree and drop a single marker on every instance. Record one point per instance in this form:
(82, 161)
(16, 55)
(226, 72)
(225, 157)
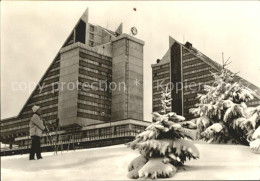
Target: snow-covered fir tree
(163, 145)
(223, 115)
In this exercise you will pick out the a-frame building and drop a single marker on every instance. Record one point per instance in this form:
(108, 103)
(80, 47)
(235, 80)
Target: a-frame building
(89, 87)
(186, 69)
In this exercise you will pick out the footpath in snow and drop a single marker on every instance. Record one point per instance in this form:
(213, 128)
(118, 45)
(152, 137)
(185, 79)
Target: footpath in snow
(234, 162)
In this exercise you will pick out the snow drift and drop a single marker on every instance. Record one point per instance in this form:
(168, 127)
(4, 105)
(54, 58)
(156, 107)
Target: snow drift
(110, 163)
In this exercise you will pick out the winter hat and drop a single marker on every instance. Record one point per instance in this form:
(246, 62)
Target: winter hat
(35, 108)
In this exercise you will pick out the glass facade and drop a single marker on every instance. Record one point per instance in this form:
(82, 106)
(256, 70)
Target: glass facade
(102, 135)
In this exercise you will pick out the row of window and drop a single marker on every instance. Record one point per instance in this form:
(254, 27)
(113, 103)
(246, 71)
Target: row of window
(43, 108)
(86, 134)
(51, 77)
(190, 92)
(189, 106)
(47, 87)
(87, 85)
(198, 86)
(193, 65)
(54, 69)
(93, 70)
(17, 121)
(195, 71)
(159, 77)
(137, 128)
(157, 99)
(46, 82)
(50, 113)
(15, 125)
(189, 59)
(94, 56)
(89, 77)
(94, 104)
(197, 77)
(157, 105)
(161, 73)
(91, 133)
(33, 101)
(8, 123)
(92, 116)
(160, 67)
(121, 128)
(96, 63)
(95, 95)
(159, 85)
(86, 80)
(185, 52)
(52, 72)
(105, 131)
(40, 102)
(20, 124)
(161, 70)
(94, 112)
(47, 93)
(190, 99)
(157, 92)
(14, 128)
(165, 79)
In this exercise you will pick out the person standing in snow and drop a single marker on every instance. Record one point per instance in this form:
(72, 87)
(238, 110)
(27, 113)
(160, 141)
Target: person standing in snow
(36, 128)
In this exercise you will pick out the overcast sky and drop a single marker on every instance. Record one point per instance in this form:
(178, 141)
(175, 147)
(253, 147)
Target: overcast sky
(33, 32)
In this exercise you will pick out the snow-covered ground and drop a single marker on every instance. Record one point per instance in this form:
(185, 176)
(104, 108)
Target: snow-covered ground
(110, 163)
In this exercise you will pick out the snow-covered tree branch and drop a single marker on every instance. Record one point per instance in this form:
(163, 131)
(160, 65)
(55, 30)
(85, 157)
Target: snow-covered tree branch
(162, 145)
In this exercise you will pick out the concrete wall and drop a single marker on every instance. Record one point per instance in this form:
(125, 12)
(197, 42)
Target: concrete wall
(118, 77)
(69, 72)
(127, 75)
(176, 79)
(127, 63)
(101, 36)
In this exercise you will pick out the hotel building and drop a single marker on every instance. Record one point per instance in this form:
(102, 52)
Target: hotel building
(184, 65)
(90, 87)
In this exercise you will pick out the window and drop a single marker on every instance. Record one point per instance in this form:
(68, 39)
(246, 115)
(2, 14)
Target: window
(91, 35)
(155, 74)
(91, 43)
(122, 128)
(91, 27)
(91, 133)
(105, 131)
(137, 128)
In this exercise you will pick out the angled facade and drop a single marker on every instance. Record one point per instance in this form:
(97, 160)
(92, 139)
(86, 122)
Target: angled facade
(90, 88)
(184, 65)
